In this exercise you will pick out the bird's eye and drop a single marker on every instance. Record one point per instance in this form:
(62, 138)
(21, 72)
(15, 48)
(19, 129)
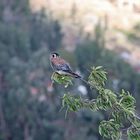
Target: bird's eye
(53, 55)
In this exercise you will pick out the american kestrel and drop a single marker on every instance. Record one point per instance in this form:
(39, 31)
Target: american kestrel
(61, 66)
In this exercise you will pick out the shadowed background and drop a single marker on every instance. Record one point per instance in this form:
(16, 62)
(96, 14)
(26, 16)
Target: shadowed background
(86, 33)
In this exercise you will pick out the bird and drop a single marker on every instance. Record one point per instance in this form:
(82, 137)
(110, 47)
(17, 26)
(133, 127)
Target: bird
(61, 66)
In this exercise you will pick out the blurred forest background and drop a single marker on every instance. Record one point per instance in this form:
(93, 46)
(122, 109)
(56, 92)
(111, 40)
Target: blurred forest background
(86, 33)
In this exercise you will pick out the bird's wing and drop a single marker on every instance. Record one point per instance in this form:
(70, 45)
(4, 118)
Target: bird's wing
(64, 67)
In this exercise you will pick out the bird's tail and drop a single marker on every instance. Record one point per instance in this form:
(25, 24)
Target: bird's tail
(78, 76)
(75, 75)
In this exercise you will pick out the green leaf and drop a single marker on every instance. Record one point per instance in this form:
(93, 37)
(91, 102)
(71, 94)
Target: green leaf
(107, 99)
(133, 133)
(97, 77)
(127, 101)
(62, 79)
(110, 129)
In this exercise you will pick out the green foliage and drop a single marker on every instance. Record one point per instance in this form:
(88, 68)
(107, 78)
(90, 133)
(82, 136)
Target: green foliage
(127, 101)
(122, 107)
(97, 77)
(65, 80)
(133, 133)
(74, 104)
(110, 129)
(106, 99)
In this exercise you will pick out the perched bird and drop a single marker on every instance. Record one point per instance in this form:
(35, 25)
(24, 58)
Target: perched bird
(62, 67)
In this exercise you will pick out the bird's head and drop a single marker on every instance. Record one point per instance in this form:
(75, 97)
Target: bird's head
(54, 55)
